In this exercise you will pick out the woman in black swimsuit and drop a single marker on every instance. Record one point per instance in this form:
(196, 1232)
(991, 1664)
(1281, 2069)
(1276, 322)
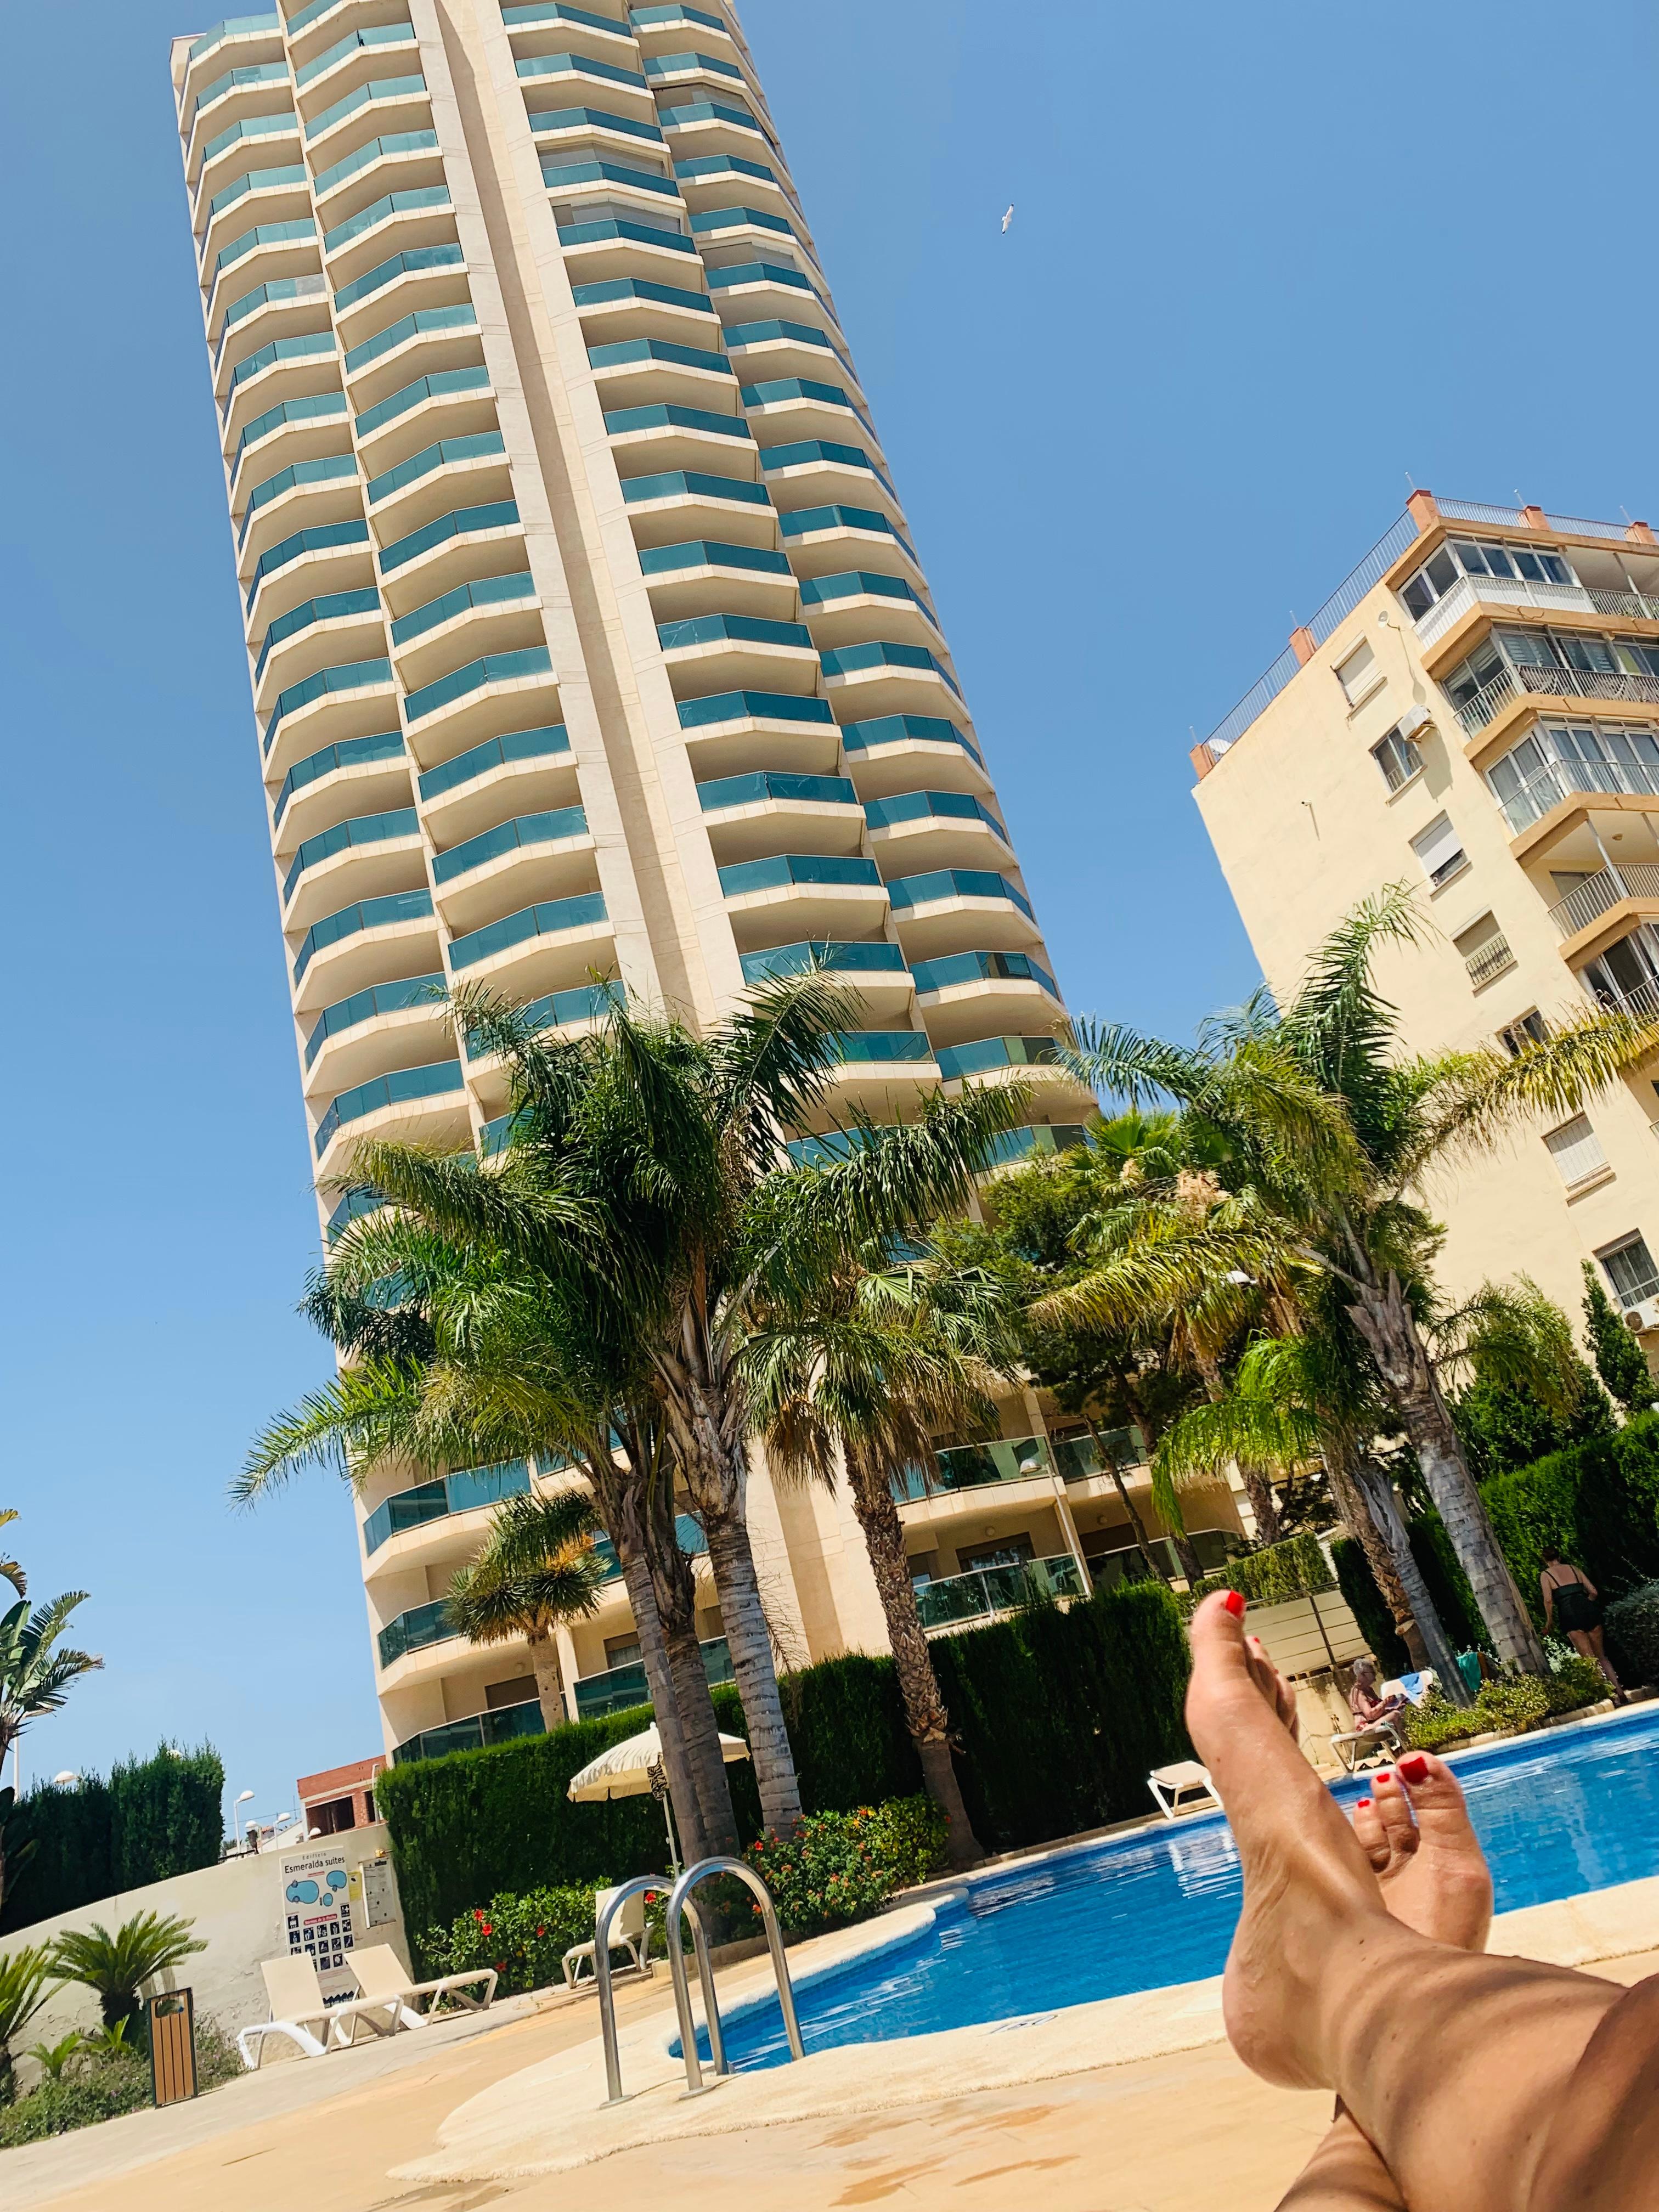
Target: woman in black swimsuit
(1572, 1602)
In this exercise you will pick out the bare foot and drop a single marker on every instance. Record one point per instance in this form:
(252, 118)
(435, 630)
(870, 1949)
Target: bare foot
(1415, 1829)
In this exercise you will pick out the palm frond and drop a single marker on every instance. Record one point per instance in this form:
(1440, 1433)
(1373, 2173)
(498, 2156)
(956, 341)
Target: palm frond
(1473, 1099)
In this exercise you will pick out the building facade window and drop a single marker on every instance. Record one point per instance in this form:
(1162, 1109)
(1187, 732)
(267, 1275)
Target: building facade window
(1359, 675)
(1560, 758)
(1398, 758)
(1440, 851)
(1577, 1151)
(1465, 556)
(1526, 1030)
(1628, 1266)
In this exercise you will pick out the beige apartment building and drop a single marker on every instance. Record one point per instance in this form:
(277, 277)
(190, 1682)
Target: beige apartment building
(1475, 712)
(587, 636)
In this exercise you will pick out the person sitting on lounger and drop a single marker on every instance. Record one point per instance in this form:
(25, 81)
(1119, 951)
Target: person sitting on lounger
(1369, 1710)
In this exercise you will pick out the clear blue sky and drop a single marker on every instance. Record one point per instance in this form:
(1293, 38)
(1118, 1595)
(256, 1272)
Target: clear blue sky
(1263, 262)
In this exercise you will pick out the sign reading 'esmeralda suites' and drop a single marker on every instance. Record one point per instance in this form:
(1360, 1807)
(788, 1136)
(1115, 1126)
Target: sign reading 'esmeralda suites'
(317, 1919)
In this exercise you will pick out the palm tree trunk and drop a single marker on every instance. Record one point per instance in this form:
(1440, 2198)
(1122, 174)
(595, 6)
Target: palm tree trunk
(1420, 1624)
(738, 1588)
(1263, 1504)
(676, 1600)
(925, 1713)
(1143, 1544)
(550, 1682)
(1383, 1318)
(659, 1677)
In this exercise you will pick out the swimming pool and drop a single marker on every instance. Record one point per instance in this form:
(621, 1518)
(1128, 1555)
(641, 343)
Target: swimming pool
(1557, 1816)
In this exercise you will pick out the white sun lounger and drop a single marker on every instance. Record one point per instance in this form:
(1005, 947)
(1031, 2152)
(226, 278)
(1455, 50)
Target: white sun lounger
(381, 1980)
(1172, 1787)
(300, 2015)
(627, 1933)
(1383, 1739)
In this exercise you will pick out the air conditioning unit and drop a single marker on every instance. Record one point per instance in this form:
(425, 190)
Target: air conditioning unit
(1642, 1317)
(1414, 719)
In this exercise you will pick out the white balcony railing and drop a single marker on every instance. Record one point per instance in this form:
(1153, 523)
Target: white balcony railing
(1468, 592)
(1598, 894)
(1555, 683)
(1551, 785)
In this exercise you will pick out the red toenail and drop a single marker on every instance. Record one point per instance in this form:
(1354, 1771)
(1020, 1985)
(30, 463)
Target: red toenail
(1414, 1767)
(1235, 1605)
(1363, 1804)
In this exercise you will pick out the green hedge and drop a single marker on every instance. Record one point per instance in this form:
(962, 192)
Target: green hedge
(1368, 1605)
(1273, 1576)
(1061, 1717)
(72, 1846)
(1599, 1503)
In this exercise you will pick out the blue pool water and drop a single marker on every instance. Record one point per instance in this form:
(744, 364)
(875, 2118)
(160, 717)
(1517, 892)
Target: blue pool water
(1557, 1816)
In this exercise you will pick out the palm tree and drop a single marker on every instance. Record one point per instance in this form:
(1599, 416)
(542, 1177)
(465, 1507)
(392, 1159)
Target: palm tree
(646, 1175)
(36, 1670)
(116, 1967)
(27, 1980)
(1331, 1137)
(538, 1570)
(883, 1359)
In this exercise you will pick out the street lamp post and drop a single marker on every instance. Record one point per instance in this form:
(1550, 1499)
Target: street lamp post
(245, 1798)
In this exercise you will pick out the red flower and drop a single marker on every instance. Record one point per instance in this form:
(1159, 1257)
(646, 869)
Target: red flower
(488, 1930)
(541, 1932)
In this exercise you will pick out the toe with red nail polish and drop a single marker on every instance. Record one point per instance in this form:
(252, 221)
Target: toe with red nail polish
(1414, 1768)
(1235, 1605)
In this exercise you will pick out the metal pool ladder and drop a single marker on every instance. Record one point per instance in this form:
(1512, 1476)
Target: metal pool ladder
(680, 1906)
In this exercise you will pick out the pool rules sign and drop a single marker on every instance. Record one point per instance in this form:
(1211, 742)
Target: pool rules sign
(317, 1913)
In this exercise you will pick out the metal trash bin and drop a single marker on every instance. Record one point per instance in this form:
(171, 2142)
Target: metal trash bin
(171, 2020)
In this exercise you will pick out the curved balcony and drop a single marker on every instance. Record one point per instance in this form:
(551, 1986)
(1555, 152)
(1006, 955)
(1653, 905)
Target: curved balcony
(352, 1041)
(420, 277)
(317, 24)
(367, 856)
(614, 246)
(820, 471)
(651, 25)
(277, 193)
(500, 612)
(281, 307)
(918, 831)
(375, 767)
(545, 947)
(340, 549)
(347, 951)
(450, 548)
(416, 1630)
(748, 580)
(787, 409)
(663, 508)
(821, 539)
(650, 439)
(646, 188)
(730, 731)
(1032, 1059)
(401, 160)
(470, 704)
(665, 72)
(313, 633)
(534, 26)
(348, 702)
(384, 106)
(620, 1689)
(251, 38)
(272, 252)
(876, 970)
(465, 794)
(469, 1490)
(548, 852)
(777, 347)
(886, 677)
(625, 307)
(419, 219)
(702, 176)
(476, 1732)
(886, 753)
(419, 488)
(965, 995)
(254, 139)
(296, 430)
(323, 82)
(426, 341)
(736, 653)
(254, 92)
(750, 816)
(572, 77)
(702, 127)
(427, 1104)
(647, 371)
(563, 130)
(286, 368)
(761, 291)
(757, 230)
(324, 490)
(933, 910)
(460, 402)
(842, 610)
(791, 894)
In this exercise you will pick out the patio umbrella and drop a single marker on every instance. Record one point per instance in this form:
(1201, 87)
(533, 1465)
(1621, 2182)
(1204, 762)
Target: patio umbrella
(634, 1768)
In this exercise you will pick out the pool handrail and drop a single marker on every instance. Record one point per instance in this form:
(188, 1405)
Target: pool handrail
(604, 1917)
(679, 1903)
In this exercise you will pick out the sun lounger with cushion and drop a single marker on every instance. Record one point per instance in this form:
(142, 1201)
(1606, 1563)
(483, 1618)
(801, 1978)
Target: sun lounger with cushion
(1173, 1789)
(300, 2014)
(381, 1978)
(627, 1933)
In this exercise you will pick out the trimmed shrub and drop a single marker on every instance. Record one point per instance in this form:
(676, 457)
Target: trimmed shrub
(152, 1819)
(1518, 1702)
(523, 1938)
(1369, 1606)
(906, 1835)
(1633, 1627)
(840, 1867)
(1598, 1504)
(1272, 1576)
(846, 1723)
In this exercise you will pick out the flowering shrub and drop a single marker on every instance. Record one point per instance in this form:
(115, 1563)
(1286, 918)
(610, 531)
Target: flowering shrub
(840, 1867)
(523, 1938)
(1514, 1701)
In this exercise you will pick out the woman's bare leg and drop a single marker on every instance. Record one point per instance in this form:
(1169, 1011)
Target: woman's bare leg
(1453, 2064)
(1591, 1643)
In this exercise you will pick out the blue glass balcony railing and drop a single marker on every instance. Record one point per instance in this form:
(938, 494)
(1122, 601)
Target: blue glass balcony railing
(333, 607)
(493, 668)
(238, 80)
(283, 123)
(706, 165)
(540, 65)
(987, 1591)
(325, 537)
(586, 1002)
(975, 1466)
(806, 868)
(554, 11)
(593, 119)
(861, 1047)
(402, 1087)
(352, 676)
(905, 729)
(463, 316)
(556, 173)
(1045, 1140)
(803, 451)
(360, 1200)
(351, 752)
(859, 583)
(607, 289)
(328, 468)
(642, 18)
(488, 592)
(620, 421)
(495, 752)
(979, 1059)
(352, 921)
(365, 1005)
(910, 892)
(708, 111)
(477, 1732)
(760, 272)
(481, 446)
(256, 180)
(423, 1625)
(632, 349)
(880, 958)
(694, 483)
(304, 345)
(774, 783)
(928, 806)
(416, 260)
(713, 220)
(616, 229)
(407, 202)
(379, 34)
(389, 88)
(364, 157)
(774, 391)
(308, 15)
(320, 407)
(551, 918)
(736, 629)
(954, 968)
(444, 384)
(883, 653)
(807, 521)
(710, 553)
(228, 29)
(262, 234)
(753, 706)
(528, 829)
(665, 66)
(461, 522)
(741, 335)
(274, 293)
(619, 1689)
(346, 836)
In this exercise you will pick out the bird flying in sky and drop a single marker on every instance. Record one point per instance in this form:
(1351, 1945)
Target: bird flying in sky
(1009, 217)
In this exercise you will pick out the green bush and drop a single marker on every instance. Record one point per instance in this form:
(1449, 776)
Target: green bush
(523, 1938)
(846, 1723)
(1598, 1504)
(1516, 1702)
(1272, 1576)
(906, 1835)
(96, 2086)
(840, 1867)
(1633, 1627)
(1369, 1609)
(91, 1839)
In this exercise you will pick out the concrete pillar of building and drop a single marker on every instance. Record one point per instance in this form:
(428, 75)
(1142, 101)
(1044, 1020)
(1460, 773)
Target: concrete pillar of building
(1424, 510)
(567, 1648)
(1302, 643)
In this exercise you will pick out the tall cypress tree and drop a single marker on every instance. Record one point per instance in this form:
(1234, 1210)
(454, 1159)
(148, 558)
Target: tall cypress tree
(1619, 1359)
